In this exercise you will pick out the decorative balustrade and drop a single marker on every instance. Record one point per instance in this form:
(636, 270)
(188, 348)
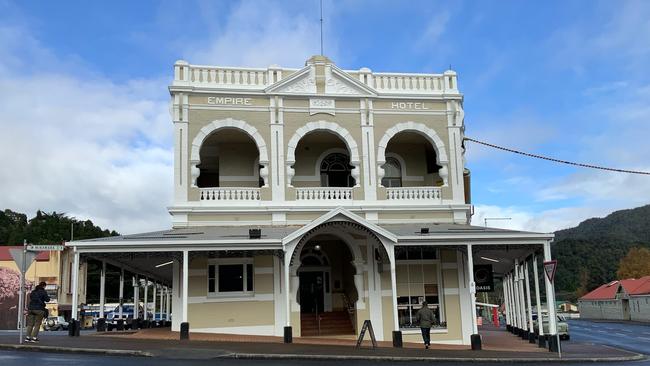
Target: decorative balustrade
(414, 194)
(230, 194)
(410, 83)
(324, 194)
(260, 78)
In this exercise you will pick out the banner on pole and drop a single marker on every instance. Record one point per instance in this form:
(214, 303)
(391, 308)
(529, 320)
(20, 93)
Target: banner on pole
(549, 268)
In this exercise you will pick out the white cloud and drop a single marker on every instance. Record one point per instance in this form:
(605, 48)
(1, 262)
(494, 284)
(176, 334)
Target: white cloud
(434, 30)
(523, 218)
(261, 33)
(80, 144)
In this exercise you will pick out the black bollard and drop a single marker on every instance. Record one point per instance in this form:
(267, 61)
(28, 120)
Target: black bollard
(101, 325)
(288, 335)
(185, 331)
(553, 344)
(541, 341)
(120, 324)
(476, 342)
(397, 339)
(531, 337)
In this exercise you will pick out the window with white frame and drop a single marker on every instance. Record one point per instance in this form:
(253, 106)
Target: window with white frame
(418, 276)
(231, 276)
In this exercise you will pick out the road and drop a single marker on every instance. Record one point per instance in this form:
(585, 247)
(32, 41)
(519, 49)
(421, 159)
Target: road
(633, 337)
(14, 358)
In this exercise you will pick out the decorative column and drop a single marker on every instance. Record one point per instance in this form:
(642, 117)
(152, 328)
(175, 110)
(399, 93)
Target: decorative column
(531, 328)
(185, 326)
(276, 180)
(541, 339)
(506, 303)
(161, 307)
(288, 333)
(102, 290)
(515, 290)
(168, 304)
(475, 337)
(397, 334)
(135, 282)
(74, 323)
(554, 341)
(154, 287)
(522, 300)
(368, 150)
(146, 301)
(120, 320)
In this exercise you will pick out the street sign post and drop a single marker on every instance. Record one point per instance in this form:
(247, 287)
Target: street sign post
(549, 268)
(24, 257)
(45, 247)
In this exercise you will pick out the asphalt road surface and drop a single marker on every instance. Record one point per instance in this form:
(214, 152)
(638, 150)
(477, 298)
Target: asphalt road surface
(634, 337)
(11, 358)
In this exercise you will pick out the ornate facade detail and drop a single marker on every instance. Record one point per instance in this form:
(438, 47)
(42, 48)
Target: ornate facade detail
(304, 85)
(322, 105)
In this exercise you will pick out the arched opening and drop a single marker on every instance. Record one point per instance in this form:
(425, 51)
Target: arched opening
(327, 292)
(322, 160)
(411, 161)
(229, 158)
(335, 171)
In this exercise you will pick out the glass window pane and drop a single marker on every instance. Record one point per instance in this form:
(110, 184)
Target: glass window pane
(429, 253)
(211, 285)
(414, 252)
(249, 277)
(211, 271)
(231, 277)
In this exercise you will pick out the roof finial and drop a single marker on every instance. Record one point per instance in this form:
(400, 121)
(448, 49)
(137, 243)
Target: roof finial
(321, 27)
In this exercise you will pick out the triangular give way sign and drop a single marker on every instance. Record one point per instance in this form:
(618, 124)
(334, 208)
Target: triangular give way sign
(549, 269)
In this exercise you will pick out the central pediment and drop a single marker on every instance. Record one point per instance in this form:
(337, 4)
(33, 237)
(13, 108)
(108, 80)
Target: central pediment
(321, 77)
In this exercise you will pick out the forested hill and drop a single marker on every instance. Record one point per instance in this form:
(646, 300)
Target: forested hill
(45, 228)
(588, 255)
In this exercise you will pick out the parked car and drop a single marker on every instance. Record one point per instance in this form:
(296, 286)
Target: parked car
(55, 323)
(127, 314)
(562, 326)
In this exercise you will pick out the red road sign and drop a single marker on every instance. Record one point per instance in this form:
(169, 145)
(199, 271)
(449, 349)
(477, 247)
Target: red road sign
(549, 269)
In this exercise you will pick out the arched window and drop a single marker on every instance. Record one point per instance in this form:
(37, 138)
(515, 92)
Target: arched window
(392, 173)
(335, 171)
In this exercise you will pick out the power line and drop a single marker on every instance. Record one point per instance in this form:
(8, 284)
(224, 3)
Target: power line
(556, 160)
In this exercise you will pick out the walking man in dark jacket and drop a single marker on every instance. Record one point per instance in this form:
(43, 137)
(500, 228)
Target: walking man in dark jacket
(426, 318)
(37, 299)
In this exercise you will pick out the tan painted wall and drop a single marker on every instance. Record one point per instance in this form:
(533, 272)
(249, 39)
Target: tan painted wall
(231, 314)
(212, 314)
(197, 217)
(440, 216)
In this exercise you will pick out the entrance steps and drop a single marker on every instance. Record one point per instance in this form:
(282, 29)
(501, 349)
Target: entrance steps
(331, 323)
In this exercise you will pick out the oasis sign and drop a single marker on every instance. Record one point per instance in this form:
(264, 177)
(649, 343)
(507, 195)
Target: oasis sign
(484, 278)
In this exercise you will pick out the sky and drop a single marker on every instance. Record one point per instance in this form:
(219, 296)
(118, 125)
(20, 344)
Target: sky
(84, 108)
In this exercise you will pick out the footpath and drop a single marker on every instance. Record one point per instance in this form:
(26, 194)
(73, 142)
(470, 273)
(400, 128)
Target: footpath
(499, 346)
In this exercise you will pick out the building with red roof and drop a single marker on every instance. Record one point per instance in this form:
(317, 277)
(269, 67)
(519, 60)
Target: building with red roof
(627, 299)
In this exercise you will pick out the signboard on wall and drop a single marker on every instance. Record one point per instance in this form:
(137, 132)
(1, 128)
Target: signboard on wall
(484, 278)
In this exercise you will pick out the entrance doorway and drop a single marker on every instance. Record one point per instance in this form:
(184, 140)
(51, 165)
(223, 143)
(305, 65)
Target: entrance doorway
(312, 297)
(326, 290)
